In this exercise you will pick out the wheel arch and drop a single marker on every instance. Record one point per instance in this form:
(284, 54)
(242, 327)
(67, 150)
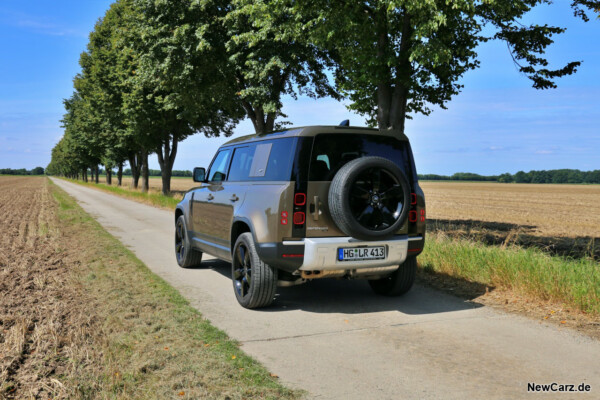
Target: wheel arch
(240, 225)
(178, 213)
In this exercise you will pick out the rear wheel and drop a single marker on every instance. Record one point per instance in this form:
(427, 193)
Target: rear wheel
(399, 282)
(187, 257)
(254, 282)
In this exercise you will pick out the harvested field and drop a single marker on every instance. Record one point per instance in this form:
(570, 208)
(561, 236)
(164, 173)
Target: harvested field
(42, 321)
(179, 185)
(559, 219)
(81, 317)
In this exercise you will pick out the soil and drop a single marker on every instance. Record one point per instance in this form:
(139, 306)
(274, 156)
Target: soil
(42, 317)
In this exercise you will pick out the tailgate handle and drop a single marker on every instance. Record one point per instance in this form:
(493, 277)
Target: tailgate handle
(315, 206)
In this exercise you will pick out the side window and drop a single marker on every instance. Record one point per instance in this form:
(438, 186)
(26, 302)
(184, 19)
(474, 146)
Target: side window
(241, 163)
(218, 169)
(261, 158)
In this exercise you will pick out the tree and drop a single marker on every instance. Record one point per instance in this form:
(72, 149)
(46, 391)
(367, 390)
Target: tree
(175, 92)
(107, 66)
(245, 54)
(397, 58)
(270, 55)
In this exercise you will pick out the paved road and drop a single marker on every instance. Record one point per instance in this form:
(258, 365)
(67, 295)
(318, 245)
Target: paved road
(339, 341)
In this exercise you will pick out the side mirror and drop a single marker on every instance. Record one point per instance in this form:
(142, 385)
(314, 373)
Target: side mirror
(199, 174)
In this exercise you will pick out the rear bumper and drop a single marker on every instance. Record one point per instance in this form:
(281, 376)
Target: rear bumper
(321, 253)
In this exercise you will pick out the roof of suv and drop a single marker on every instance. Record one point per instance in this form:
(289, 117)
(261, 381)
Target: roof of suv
(312, 131)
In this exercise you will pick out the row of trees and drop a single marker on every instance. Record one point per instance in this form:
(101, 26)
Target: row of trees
(551, 176)
(22, 171)
(156, 71)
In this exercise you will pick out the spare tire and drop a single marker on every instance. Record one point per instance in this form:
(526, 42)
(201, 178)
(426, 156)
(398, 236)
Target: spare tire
(369, 198)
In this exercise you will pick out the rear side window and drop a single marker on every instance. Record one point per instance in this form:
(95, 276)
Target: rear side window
(331, 151)
(263, 161)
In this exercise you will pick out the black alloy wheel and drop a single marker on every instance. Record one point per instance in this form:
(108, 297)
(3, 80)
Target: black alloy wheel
(369, 198)
(376, 199)
(242, 271)
(254, 282)
(186, 256)
(180, 241)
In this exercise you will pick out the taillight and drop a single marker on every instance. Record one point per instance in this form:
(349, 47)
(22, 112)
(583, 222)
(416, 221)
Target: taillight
(299, 199)
(412, 216)
(298, 214)
(415, 214)
(299, 218)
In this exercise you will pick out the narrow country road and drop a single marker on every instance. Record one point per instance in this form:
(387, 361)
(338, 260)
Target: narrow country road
(337, 340)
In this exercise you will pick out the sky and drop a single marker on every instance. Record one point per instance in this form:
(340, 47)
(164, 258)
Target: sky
(497, 124)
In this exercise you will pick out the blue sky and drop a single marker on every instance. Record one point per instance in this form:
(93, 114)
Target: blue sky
(497, 124)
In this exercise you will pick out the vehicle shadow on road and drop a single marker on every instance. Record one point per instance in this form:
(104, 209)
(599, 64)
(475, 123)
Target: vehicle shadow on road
(354, 297)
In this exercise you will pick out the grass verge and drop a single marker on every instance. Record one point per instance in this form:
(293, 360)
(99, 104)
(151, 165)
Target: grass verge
(529, 272)
(151, 342)
(152, 198)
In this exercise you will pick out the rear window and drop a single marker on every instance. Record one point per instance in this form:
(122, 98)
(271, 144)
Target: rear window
(331, 151)
(263, 161)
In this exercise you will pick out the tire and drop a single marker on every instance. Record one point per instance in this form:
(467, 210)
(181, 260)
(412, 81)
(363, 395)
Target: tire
(399, 282)
(369, 198)
(187, 257)
(254, 282)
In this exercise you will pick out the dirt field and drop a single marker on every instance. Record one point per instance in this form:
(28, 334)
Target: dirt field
(42, 323)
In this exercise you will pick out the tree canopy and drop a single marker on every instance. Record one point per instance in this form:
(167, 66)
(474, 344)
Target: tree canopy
(397, 58)
(158, 71)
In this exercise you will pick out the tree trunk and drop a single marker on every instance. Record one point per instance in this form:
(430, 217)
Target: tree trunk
(134, 164)
(145, 172)
(120, 174)
(108, 175)
(166, 158)
(84, 175)
(97, 173)
(392, 99)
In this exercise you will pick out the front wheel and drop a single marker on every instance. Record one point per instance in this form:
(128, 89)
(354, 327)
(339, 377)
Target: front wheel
(399, 282)
(187, 256)
(254, 282)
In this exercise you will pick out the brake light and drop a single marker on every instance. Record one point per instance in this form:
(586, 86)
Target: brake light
(299, 199)
(299, 218)
(413, 199)
(422, 215)
(412, 216)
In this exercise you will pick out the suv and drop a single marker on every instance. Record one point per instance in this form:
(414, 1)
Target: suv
(307, 203)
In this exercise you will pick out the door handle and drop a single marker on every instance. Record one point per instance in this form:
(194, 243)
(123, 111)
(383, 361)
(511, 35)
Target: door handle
(210, 196)
(234, 198)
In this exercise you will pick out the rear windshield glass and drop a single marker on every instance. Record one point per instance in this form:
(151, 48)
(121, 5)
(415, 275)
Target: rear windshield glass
(331, 151)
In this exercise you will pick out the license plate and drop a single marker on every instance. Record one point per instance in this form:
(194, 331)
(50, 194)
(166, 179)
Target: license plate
(361, 253)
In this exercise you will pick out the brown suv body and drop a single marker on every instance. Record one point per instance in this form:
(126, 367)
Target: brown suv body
(277, 188)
